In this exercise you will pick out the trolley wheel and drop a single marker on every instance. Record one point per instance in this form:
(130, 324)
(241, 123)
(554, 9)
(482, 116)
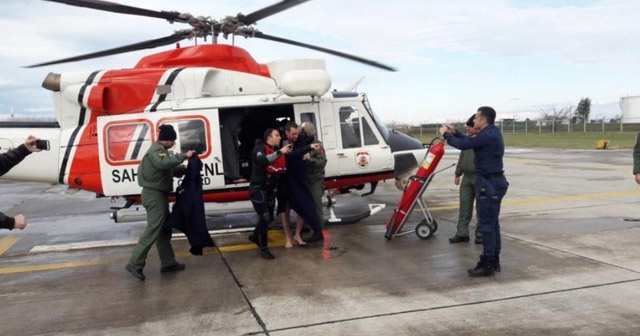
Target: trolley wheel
(424, 230)
(434, 225)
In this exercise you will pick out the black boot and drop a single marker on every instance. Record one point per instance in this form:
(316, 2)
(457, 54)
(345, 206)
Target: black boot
(263, 243)
(483, 268)
(254, 239)
(496, 265)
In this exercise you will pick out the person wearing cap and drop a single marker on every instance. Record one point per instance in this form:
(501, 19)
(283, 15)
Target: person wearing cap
(155, 176)
(466, 170)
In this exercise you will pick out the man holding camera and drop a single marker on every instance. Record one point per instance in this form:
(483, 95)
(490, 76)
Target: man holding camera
(7, 161)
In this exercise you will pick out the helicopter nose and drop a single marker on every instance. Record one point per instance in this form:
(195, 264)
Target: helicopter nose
(407, 152)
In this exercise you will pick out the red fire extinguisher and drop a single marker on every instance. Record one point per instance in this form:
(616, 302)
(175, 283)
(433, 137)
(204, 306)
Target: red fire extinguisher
(413, 189)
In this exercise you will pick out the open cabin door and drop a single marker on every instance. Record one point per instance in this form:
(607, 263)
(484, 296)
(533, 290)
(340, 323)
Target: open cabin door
(125, 139)
(360, 148)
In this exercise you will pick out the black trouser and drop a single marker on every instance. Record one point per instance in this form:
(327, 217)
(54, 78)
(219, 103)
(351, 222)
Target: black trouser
(489, 193)
(262, 201)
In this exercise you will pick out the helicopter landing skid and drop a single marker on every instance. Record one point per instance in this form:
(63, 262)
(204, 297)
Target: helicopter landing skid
(334, 220)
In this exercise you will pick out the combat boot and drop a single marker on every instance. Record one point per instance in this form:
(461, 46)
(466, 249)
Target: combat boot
(263, 244)
(482, 269)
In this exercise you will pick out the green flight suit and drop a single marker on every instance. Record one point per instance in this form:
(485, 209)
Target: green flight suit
(155, 176)
(636, 156)
(467, 169)
(315, 178)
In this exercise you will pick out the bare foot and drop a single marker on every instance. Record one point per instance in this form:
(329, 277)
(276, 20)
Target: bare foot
(288, 244)
(299, 241)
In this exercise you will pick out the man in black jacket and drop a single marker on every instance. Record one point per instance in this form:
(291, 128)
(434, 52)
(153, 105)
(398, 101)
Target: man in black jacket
(7, 161)
(262, 186)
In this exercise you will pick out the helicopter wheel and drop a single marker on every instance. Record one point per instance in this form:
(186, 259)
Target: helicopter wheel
(424, 230)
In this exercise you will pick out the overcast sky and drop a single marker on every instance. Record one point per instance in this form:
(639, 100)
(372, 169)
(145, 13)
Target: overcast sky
(519, 56)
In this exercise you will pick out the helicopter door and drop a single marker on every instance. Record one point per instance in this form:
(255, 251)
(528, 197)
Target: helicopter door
(125, 139)
(360, 147)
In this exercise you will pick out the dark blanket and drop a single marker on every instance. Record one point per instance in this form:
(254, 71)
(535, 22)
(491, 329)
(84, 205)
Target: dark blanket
(187, 214)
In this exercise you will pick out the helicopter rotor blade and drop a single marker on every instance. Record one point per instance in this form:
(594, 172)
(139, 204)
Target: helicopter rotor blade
(268, 11)
(124, 49)
(122, 9)
(261, 35)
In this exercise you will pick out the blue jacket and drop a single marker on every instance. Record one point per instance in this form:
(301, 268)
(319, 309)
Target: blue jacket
(187, 214)
(488, 149)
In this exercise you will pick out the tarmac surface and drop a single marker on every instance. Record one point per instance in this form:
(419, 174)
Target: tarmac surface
(570, 265)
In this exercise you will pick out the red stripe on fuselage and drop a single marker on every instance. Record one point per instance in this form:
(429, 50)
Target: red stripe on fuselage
(242, 194)
(125, 91)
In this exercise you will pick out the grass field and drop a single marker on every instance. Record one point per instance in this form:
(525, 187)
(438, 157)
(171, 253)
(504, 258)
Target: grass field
(617, 140)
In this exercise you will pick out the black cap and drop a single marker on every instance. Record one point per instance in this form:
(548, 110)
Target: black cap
(470, 121)
(167, 133)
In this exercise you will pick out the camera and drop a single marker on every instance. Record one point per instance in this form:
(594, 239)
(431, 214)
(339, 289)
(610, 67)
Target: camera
(43, 144)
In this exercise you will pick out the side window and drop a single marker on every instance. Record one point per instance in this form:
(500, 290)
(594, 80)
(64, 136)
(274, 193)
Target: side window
(127, 142)
(350, 127)
(192, 134)
(369, 136)
(310, 117)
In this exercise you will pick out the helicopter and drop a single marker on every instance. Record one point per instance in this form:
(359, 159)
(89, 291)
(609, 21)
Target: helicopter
(107, 119)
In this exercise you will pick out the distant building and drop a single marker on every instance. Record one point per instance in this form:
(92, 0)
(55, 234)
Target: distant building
(630, 106)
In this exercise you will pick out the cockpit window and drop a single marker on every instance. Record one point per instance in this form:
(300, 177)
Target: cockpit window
(369, 136)
(379, 124)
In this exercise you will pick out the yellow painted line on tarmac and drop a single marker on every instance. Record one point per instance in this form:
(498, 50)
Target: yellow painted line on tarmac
(573, 197)
(549, 199)
(52, 267)
(583, 166)
(276, 239)
(7, 243)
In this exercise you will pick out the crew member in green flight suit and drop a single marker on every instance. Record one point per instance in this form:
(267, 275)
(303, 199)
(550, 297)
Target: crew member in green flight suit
(467, 170)
(155, 176)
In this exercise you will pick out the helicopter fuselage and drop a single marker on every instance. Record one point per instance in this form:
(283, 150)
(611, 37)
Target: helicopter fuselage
(108, 119)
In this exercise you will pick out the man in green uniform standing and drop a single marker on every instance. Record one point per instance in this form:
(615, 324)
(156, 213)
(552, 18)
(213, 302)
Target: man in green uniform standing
(316, 160)
(155, 176)
(467, 170)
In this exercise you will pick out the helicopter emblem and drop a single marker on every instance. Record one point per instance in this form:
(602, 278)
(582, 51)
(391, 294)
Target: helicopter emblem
(362, 158)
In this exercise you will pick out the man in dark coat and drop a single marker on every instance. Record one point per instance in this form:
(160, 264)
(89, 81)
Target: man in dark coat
(299, 196)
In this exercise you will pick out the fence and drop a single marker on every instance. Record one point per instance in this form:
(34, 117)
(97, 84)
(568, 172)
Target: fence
(535, 127)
